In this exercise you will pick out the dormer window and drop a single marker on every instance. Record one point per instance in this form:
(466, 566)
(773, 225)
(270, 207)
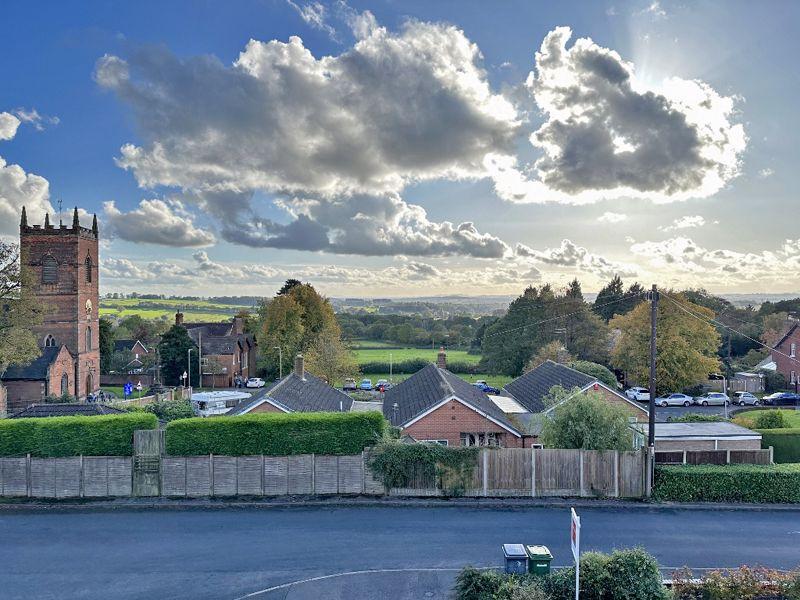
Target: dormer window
(49, 270)
(88, 263)
(49, 341)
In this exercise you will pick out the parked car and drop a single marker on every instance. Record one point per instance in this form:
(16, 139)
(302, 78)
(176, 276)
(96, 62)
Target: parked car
(639, 394)
(255, 382)
(349, 385)
(745, 398)
(782, 399)
(712, 399)
(485, 387)
(382, 385)
(366, 384)
(674, 400)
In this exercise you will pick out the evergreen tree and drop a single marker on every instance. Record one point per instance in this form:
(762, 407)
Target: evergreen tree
(173, 350)
(106, 345)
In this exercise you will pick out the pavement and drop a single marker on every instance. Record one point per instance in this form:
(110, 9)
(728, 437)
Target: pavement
(348, 551)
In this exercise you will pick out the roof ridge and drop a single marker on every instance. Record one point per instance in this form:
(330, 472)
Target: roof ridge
(446, 382)
(574, 370)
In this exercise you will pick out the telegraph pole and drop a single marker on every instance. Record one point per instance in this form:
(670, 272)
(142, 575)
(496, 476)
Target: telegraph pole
(651, 432)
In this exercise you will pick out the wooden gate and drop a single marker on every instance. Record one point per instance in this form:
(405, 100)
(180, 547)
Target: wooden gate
(148, 447)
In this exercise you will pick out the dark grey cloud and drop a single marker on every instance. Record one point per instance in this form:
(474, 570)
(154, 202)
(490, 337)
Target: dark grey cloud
(165, 223)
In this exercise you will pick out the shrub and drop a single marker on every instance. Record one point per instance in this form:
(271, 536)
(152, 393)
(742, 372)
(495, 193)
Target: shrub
(696, 418)
(770, 419)
(785, 444)
(743, 583)
(396, 464)
(587, 422)
(521, 589)
(727, 483)
(595, 370)
(104, 435)
(472, 584)
(170, 410)
(633, 575)
(276, 434)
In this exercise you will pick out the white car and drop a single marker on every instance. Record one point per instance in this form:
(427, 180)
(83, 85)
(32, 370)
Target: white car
(255, 382)
(712, 399)
(745, 398)
(674, 400)
(638, 393)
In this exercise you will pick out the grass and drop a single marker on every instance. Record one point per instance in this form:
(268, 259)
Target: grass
(365, 355)
(151, 308)
(748, 417)
(497, 381)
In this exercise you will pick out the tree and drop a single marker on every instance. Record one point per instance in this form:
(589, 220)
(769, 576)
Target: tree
(328, 358)
(288, 286)
(554, 351)
(686, 346)
(19, 311)
(586, 421)
(612, 300)
(106, 345)
(173, 352)
(595, 370)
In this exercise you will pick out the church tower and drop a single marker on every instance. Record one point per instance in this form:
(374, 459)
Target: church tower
(63, 265)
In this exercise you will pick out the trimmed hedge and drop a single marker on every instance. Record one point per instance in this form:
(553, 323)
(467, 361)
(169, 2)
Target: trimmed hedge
(412, 365)
(727, 483)
(276, 434)
(785, 443)
(104, 435)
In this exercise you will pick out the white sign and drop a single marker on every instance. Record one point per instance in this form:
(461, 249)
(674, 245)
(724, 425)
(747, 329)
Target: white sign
(575, 541)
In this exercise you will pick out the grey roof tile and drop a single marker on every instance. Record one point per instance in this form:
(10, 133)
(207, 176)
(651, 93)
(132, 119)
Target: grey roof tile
(529, 389)
(296, 394)
(37, 369)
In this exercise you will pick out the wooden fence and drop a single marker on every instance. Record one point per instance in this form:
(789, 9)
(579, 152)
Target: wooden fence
(715, 457)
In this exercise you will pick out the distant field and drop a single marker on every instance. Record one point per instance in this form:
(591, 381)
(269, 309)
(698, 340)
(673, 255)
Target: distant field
(497, 381)
(193, 310)
(365, 355)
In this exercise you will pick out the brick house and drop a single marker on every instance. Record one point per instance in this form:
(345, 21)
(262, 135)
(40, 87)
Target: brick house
(433, 405)
(63, 265)
(226, 350)
(786, 356)
(138, 352)
(299, 391)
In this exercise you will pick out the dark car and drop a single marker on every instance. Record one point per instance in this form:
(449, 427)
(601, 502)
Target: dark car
(782, 399)
(485, 387)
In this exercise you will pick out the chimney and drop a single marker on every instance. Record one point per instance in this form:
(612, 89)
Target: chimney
(46, 221)
(299, 366)
(178, 318)
(238, 325)
(441, 359)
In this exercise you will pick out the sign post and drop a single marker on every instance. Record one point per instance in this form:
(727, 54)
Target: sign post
(575, 540)
(127, 389)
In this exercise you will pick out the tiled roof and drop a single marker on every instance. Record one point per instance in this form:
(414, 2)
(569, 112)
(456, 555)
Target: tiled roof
(65, 410)
(296, 394)
(428, 387)
(35, 370)
(120, 345)
(787, 334)
(217, 338)
(529, 389)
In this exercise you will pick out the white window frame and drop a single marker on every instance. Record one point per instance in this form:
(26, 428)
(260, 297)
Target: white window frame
(793, 378)
(440, 442)
(793, 350)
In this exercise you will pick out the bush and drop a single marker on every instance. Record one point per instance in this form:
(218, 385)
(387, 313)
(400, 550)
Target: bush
(521, 589)
(727, 483)
(770, 419)
(696, 418)
(104, 435)
(785, 444)
(633, 575)
(170, 410)
(595, 370)
(587, 422)
(743, 583)
(472, 584)
(276, 434)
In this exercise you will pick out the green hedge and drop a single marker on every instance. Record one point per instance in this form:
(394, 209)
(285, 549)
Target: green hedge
(105, 435)
(276, 434)
(727, 483)
(785, 443)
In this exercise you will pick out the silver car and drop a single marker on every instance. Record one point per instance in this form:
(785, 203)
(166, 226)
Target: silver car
(674, 400)
(745, 398)
(712, 399)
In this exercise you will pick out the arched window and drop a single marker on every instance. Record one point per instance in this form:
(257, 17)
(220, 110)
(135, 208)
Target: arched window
(64, 384)
(88, 339)
(88, 263)
(49, 341)
(49, 270)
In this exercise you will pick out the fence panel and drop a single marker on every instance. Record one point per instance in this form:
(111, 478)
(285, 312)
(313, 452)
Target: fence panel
(198, 476)
(68, 477)
(750, 457)
(557, 472)
(173, 476)
(43, 477)
(508, 471)
(326, 476)
(599, 473)
(224, 470)
(14, 476)
(707, 457)
(249, 472)
(372, 485)
(351, 475)
(300, 474)
(276, 481)
(95, 476)
(631, 474)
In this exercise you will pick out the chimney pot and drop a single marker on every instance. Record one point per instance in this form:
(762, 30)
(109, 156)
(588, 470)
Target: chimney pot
(441, 359)
(238, 325)
(178, 318)
(299, 366)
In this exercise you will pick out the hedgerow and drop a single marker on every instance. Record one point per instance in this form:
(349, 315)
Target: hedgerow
(727, 483)
(276, 434)
(785, 444)
(104, 435)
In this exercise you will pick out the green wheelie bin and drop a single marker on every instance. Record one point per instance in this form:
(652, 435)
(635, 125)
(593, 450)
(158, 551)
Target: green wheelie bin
(539, 559)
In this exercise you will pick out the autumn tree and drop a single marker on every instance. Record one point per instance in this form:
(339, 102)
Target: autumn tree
(686, 346)
(554, 351)
(330, 359)
(19, 311)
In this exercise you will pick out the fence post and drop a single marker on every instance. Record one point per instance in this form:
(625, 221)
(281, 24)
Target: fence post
(485, 459)
(80, 478)
(771, 456)
(728, 457)
(616, 473)
(211, 475)
(684, 456)
(28, 475)
(533, 472)
(580, 462)
(313, 473)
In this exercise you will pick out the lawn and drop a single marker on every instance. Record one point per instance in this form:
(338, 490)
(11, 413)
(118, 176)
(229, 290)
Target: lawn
(152, 308)
(365, 355)
(792, 416)
(497, 381)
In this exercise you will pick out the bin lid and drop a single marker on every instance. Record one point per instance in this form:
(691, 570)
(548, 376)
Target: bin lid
(514, 551)
(539, 552)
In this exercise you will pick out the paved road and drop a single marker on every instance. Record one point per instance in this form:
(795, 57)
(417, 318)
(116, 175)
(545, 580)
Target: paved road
(226, 554)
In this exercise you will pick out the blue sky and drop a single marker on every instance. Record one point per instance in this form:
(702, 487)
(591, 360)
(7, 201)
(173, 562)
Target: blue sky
(235, 202)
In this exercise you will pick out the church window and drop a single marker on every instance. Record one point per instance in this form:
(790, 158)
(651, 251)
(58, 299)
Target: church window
(88, 263)
(64, 384)
(49, 341)
(88, 339)
(49, 270)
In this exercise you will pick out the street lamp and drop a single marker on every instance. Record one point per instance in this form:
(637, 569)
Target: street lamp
(189, 364)
(280, 361)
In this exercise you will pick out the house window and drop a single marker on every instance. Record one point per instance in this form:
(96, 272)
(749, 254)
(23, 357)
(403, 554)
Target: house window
(480, 439)
(49, 341)
(88, 263)
(793, 350)
(49, 270)
(793, 379)
(440, 442)
(88, 339)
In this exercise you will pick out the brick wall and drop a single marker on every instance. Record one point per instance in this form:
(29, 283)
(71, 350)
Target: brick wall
(611, 397)
(266, 407)
(785, 364)
(450, 420)
(22, 394)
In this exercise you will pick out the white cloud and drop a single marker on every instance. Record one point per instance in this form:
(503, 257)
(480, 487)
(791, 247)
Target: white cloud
(18, 189)
(314, 14)
(655, 10)
(32, 117)
(766, 172)
(8, 126)
(606, 136)
(612, 217)
(156, 222)
(570, 255)
(687, 222)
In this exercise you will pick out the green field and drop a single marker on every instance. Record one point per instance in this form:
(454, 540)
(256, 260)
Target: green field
(365, 355)
(153, 308)
(497, 381)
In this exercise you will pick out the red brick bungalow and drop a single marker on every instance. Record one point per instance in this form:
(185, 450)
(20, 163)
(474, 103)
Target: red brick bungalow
(786, 357)
(433, 405)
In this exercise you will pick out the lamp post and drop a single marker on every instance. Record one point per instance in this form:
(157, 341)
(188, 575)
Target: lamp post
(189, 364)
(280, 361)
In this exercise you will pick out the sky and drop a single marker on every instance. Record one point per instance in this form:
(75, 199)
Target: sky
(409, 148)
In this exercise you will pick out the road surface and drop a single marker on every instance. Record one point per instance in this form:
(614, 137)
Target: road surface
(229, 553)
